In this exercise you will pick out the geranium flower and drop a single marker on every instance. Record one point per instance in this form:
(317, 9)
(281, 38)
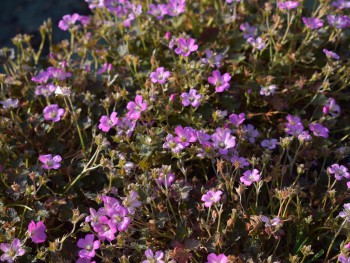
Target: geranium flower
(106, 123)
(236, 119)
(270, 144)
(319, 130)
(341, 4)
(50, 162)
(135, 108)
(211, 59)
(153, 257)
(340, 21)
(69, 20)
(250, 177)
(119, 217)
(239, 162)
(331, 54)
(339, 171)
(176, 7)
(331, 108)
(159, 76)
(11, 252)
(158, 11)
(223, 140)
(9, 103)
(213, 258)
(184, 135)
(312, 22)
(105, 229)
(53, 113)
(131, 201)
(166, 178)
(221, 82)
(211, 197)
(346, 212)
(88, 245)
(37, 232)
(191, 98)
(257, 43)
(294, 125)
(248, 30)
(185, 47)
(288, 5)
(45, 90)
(250, 133)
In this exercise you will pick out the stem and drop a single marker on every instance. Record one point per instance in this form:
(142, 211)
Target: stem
(76, 123)
(86, 169)
(333, 240)
(289, 22)
(219, 219)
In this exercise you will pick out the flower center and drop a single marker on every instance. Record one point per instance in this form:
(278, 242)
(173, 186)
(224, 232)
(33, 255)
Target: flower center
(53, 114)
(50, 163)
(117, 218)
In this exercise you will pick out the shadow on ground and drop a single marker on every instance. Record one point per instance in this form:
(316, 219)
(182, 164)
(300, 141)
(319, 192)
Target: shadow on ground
(25, 17)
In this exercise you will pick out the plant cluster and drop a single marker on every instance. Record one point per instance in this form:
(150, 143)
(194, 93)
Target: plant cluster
(179, 131)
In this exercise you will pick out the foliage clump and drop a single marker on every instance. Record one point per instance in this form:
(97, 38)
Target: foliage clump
(179, 131)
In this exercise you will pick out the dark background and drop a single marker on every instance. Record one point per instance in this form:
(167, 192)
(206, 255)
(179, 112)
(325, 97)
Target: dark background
(25, 17)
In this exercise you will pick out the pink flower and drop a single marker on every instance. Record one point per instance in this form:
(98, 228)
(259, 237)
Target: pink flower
(211, 197)
(331, 108)
(223, 140)
(250, 177)
(185, 47)
(176, 7)
(312, 22)
(53, 113)
(135, 108)
(11, 251)
(107, 123)
(257, 43)
(37, 231)
(131, 201)
(119, 217)
(166, 178)
(58, 73)
(184, 135)
(213, 258)
(319, 130)
(159, 76)
(50, 162)
(221, 83)
(88, 245)
(159, 11)
(248, 30)
(239, 162)
(105, 229)
(153, 257)
(339, 171)
(331, 54)
(288, 5)
(270, 144)
(236, 119)
(42, 77)
(106, 67)
(294, 125)
(191, 98)
(69, 20)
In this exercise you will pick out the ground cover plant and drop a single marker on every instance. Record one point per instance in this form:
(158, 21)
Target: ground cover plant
(179, 131)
